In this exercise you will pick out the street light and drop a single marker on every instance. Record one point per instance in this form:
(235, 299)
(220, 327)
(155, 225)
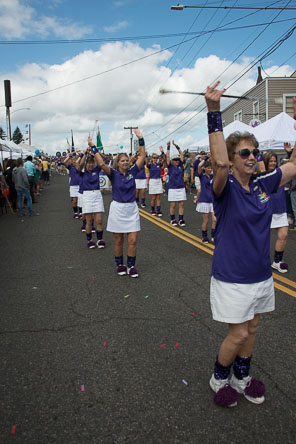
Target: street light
(179, 7)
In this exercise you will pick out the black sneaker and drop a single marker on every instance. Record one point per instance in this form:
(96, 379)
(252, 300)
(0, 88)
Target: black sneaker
(182, 223)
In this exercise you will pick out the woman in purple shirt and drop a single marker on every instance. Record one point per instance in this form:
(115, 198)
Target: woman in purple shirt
(176, 184)
(155, 183)
(241, 283)
(72, 164)
(124, 213)
(205, 203)
(279, 217)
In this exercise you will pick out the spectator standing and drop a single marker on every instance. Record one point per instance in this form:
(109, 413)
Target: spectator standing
(30, 168)
(22, 186)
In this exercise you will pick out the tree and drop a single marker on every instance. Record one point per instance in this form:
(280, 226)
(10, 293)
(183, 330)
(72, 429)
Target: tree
(2, 133)
(17, 136)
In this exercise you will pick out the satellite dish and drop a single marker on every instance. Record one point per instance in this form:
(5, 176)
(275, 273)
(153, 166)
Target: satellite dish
(254, 123)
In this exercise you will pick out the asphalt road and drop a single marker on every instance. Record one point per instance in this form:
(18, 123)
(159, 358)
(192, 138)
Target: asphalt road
(91, 357)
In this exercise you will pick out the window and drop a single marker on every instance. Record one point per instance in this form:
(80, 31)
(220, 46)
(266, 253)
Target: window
(288, 104)
(238, 116)
(256, 110)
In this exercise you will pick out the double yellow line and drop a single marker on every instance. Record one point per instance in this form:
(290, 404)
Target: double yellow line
(209, 248)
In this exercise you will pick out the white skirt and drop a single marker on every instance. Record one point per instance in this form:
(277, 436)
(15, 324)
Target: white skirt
(155, 186)
(123, 217)
(237, 303)
(197, 183)
(141, 184)
(80, 200)
(279, 220)
(92, 202)
(176, 194)
(74, 190)
(203, 207)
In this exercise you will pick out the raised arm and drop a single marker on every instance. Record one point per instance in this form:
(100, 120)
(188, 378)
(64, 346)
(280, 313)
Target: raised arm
(142, 152)
(179, 151)
(168, 153)
(98, 157)
(67, 161)
(219, 155)
(289, 169)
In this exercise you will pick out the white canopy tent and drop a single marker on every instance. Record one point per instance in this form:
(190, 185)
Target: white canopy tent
(236, 125)
(272, 134)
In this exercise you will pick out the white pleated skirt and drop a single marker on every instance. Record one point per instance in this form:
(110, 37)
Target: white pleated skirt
(279, 220)
(176, 194)
(155, 186)
(123, 217)
(141, 184)
(74, 189)
(92, 202)
(203, 207)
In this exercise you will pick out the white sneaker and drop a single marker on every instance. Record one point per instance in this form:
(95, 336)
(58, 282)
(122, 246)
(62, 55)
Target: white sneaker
(225, 396)
(282, 267)
(252, 389)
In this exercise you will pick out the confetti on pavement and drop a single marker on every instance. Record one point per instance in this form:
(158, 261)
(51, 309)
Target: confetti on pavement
(82, 387)
(105, 344)
(193, 314)
(177, 344)
(13, 429)
(34, 288)
(126, 296)
(92, 277)
(163, 345)
(146, 297)
(185, 382)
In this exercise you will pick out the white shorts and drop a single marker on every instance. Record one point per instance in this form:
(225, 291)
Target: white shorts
(74, 190)
(279, 220)
(123, 217)
(92, 202)
(155, 186)
(80, 200)
(197, 183)
(203, 207)
(141, 184)
(176, 194)
(237, 303)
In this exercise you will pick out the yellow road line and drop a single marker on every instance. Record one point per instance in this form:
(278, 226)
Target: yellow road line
(285, 289)
(184, 235)
(170, 230)
(284, 280)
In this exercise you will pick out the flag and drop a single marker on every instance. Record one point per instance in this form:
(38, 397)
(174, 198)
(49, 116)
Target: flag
(99, 140)
(73, 147)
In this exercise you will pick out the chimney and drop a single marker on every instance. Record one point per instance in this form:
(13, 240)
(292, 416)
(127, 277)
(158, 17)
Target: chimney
(259, 78)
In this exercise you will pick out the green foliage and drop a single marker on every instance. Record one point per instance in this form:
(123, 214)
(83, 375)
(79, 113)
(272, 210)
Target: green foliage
(17, 136)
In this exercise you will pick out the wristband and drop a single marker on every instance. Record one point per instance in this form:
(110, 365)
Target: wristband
(81, 155)
(141, 142)
(214, 122)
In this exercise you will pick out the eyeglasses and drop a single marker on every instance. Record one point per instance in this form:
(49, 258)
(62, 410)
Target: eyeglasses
(246, 152)
(154, 157)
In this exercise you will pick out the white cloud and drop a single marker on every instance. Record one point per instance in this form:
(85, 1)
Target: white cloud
(116, 26)
(18, 21)
(123, 97)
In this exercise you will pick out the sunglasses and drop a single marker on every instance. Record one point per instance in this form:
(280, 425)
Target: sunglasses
(245, 152)
(154, 157)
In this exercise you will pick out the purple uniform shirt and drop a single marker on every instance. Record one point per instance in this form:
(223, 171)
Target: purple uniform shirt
(74, 175)
(176, 176)
(243, 230)
(91, 180)
(154, 170)
(195, 167)
(141, 173)
(206, 194)
(278, 201)
(124, 186)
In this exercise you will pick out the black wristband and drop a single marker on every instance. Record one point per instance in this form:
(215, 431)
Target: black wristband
(214, 122)
(141, 142)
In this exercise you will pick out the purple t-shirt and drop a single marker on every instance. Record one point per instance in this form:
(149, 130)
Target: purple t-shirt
(278, 201)
(155, 170)
(176, 176)
(124, 186)
(141, 173)
(91, 180)
(206, 194)
(74, 175)
(242, 235)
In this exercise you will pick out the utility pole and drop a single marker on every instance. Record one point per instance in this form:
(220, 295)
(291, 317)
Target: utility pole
(131, 132)
(7, 92)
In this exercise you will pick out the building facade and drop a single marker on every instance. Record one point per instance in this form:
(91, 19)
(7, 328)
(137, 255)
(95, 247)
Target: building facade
(272, 96)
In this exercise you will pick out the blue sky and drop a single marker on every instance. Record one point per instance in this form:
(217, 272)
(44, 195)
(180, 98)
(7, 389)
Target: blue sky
(128, 94)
